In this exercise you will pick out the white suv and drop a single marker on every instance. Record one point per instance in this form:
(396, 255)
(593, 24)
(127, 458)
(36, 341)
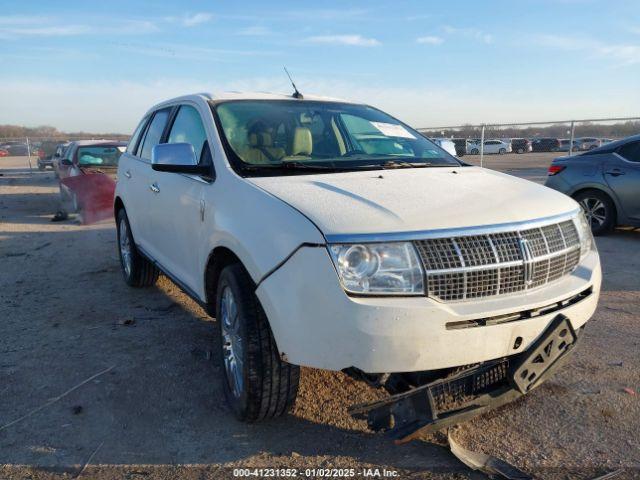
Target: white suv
(328, 234)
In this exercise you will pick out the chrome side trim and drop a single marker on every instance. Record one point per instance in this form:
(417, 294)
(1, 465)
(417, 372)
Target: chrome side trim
(448, 232)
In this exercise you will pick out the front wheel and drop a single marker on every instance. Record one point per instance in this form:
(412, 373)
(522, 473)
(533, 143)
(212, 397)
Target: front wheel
(257, 383)
(136, 269)
(502, 151)
(475, 151)
(599, 210)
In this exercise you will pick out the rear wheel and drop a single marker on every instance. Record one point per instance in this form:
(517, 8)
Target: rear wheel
(257, 383)
(137, 270)
(599, 210)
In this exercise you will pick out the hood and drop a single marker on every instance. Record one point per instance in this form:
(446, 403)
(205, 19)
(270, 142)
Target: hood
(409, 200)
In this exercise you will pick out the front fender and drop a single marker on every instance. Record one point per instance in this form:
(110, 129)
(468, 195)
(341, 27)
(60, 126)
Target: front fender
(261, 230)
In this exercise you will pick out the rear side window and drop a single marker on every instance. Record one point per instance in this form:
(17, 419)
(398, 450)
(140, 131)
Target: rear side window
(188, 128)
(630, 151)
(154, 133)
(133, 143)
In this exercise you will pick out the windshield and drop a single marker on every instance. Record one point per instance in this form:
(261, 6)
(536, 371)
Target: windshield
(265, 134)
(102, 156)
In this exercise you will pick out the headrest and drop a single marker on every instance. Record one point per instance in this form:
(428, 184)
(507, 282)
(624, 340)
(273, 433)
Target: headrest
(302, 142)
(260, 139)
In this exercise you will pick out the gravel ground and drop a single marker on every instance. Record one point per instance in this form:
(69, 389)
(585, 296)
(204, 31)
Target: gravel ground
(66, 315)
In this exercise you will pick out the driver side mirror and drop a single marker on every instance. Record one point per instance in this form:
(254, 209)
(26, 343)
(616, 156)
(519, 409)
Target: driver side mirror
(177, 158)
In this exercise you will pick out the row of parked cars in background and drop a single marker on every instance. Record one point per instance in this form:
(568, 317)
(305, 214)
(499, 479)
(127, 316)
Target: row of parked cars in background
(500, 146)
(46, 151)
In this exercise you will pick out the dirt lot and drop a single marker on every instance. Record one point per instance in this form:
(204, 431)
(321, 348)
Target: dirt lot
(66, 315)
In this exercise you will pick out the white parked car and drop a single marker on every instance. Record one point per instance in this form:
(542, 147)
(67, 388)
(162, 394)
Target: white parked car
(497, 146)
(328, 234)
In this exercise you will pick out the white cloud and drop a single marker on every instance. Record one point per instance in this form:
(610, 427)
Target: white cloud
(430, 40)
(352, 40)
(255, 31)
(17, 27)
(472, 33)
(190, 52)
(625, 54)
(196, 19)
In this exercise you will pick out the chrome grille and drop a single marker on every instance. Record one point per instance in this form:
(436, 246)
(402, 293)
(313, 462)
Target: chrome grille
(479, 266)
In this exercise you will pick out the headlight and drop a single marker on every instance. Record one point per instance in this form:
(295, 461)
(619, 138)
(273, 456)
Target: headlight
(584, 232)
(378, 268)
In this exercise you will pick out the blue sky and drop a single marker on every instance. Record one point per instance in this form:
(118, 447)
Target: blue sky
(97, 66)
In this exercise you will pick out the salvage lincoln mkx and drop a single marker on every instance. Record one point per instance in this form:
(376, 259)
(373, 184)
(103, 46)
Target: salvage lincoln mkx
(329, 234)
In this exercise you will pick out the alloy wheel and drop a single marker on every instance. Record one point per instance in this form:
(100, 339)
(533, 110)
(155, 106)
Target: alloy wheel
(125, 248)
(595, 211)
(232, 345)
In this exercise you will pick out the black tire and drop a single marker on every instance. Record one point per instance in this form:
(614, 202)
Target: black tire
(475, 151)
(141, 272)
(605, 209)
(269, 384)
(502, 151)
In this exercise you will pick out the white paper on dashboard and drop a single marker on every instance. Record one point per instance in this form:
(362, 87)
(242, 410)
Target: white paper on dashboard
(393, 130)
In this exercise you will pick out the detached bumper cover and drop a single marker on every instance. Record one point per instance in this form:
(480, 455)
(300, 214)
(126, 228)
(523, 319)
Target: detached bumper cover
(472, 391)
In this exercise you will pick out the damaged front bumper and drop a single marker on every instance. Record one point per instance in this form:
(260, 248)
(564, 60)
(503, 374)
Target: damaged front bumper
(470, 391)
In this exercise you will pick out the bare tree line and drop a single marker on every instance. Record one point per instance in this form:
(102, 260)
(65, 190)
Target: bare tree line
(48, 132)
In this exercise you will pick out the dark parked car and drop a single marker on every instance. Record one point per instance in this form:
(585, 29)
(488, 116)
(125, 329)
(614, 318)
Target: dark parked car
(46, 152)
(461, 146)
(605, 181)
(520, 145)
(16, 149)
(564, 145)
(545, 145)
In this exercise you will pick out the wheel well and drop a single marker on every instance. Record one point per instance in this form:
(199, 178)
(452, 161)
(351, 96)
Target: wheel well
(591, 189)
(117, 206)
(219, 258)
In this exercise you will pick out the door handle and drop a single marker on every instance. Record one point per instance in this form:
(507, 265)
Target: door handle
(616, 172)
(127, 174)
(154, 187)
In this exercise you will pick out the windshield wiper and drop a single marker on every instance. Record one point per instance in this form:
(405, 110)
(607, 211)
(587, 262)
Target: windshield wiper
(289, 166)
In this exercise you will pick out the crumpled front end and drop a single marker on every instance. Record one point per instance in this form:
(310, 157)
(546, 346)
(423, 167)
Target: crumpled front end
(315, 323)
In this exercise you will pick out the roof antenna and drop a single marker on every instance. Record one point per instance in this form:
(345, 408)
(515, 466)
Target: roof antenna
(296, 93)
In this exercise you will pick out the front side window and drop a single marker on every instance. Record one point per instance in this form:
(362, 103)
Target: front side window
(295, 134)
(188, 128)
(154, 133)
(100, 156)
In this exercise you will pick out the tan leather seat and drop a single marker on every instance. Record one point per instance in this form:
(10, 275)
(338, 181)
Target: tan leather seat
(302, 145)
(261, 149)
